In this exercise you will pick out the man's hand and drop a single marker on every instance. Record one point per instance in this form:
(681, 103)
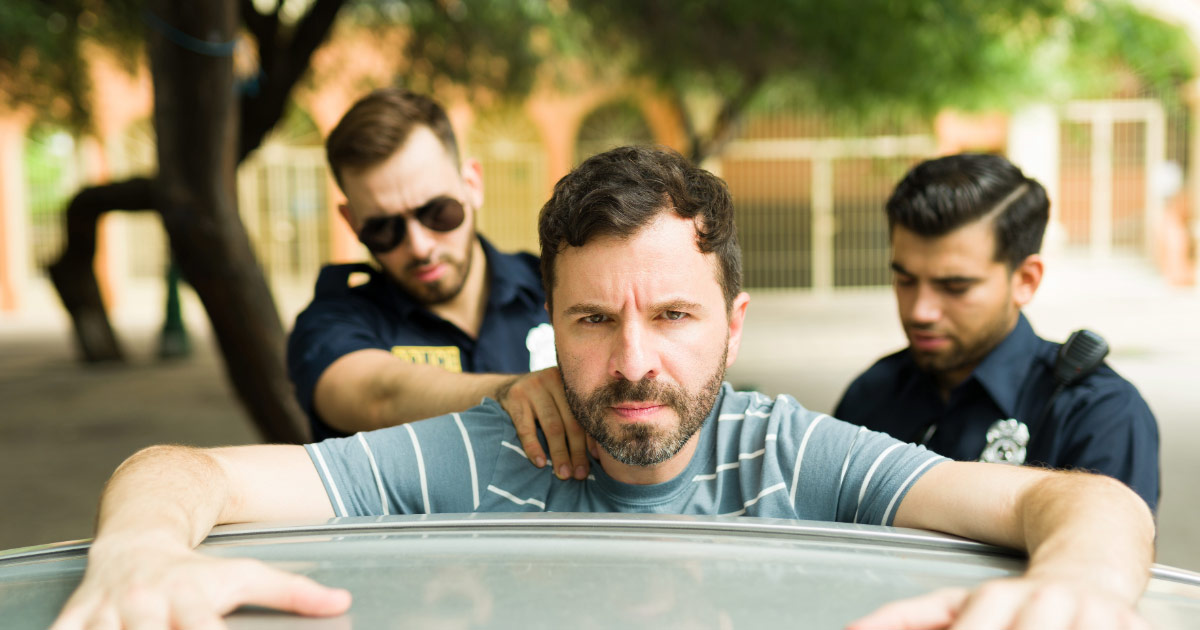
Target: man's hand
(1090, 541)
(162, 586)
(1026, 603)
(535, 399)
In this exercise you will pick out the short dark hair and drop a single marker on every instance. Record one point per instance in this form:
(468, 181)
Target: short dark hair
(941, 195)
(618, 192)
(376, 126)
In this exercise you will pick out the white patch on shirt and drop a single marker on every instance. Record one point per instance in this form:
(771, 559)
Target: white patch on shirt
(540, 342)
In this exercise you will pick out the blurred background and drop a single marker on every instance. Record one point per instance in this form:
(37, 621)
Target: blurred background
(811, 111)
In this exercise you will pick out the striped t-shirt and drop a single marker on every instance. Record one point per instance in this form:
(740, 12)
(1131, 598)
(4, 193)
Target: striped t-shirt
(756, 457)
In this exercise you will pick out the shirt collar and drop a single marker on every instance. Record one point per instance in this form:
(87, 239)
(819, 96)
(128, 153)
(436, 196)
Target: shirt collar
(1003, 370)
(509, 278)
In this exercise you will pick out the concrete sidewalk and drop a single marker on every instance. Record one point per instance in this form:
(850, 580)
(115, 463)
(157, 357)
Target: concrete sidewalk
(64, 426)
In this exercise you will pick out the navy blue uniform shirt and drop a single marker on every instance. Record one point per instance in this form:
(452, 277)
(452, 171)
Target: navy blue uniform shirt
(380, 314)
(1100, 424)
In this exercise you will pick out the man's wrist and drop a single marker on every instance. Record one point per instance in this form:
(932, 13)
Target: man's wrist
(119, 544)
(506, 386)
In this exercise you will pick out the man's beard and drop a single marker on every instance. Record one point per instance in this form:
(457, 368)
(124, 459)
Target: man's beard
(961, 355)
(443, 289)
(643, 444)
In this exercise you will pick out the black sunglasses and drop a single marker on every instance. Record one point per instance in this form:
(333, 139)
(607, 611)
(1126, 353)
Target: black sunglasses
(383, 234)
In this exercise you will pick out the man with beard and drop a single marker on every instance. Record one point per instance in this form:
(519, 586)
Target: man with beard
(443, 319)
(976, 383)
(643, 281)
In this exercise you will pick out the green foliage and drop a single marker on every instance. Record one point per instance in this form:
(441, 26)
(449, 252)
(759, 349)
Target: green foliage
(914, 56)
(911, 57)
(1112, 41)
(48, 160)
(492, 47)
(41, 64)
(921, 53)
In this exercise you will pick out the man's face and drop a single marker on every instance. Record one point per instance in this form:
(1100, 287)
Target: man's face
(430, 265)
(643, 338)
(956, 301)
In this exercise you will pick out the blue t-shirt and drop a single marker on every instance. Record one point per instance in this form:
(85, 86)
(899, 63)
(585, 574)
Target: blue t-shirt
(755, 457)
(379, 314)
(1100, 424)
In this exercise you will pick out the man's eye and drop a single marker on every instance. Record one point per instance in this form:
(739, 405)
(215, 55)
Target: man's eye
(594, 319)
(955, 288)
(674, 315)
(904, 281)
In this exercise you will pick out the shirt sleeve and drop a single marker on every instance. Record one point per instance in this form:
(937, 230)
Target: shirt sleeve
(326, 331)
(846, 473)
(1115, 434)
(432, 466)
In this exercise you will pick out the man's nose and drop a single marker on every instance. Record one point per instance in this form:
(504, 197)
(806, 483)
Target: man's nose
(926, 306)
(633, 356)
(420, 240)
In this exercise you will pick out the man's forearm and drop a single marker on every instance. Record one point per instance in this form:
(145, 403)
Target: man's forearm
(429, 392)
(371, 389)
(1088, 527)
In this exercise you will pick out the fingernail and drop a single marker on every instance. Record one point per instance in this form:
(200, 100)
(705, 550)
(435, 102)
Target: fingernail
(580, 473)
(540, 461)
(564, 471)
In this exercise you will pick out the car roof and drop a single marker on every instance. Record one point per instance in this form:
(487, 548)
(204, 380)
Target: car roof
(587, 571)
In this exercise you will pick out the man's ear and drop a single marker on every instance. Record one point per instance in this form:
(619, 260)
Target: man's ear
(344, 210)
(1026, 279)
(472, 176)
(737, 317)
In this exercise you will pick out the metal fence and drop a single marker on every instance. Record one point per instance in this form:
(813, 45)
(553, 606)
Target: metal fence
(1114, 156)
(514, 179)
(284, 200)
(810, 210)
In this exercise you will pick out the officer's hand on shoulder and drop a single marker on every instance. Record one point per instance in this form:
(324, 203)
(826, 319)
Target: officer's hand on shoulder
(537, 399)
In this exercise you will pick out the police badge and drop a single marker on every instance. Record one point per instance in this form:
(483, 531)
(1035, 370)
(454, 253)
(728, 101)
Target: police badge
(1006, 442)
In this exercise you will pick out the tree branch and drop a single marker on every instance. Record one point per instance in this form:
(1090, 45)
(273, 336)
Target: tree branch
(284, 64)
(74, 274)
(725, 127)
(685, 117)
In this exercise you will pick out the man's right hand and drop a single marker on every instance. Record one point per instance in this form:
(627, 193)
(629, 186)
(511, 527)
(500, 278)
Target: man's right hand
(537, 399)
(147, 586)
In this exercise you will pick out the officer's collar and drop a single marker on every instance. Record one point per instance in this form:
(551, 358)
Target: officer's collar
(1004, 368)
(508, 278)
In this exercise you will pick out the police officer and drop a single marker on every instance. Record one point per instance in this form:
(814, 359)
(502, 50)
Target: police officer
(443, 319)
(976, 383)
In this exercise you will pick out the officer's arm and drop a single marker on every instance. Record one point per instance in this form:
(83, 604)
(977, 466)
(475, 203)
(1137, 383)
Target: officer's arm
(142, 570)
(372, 389)
(1090, 542)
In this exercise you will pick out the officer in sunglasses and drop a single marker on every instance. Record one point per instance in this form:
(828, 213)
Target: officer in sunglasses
(443, 319)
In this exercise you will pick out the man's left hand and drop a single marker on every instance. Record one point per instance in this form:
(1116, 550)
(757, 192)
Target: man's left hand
(537, 399)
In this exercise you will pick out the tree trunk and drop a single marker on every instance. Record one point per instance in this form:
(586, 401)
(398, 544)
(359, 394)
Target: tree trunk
(196, 121)
(73, 273)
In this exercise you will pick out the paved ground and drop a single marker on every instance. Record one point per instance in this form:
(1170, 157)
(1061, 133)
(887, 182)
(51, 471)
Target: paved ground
(64, 427)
